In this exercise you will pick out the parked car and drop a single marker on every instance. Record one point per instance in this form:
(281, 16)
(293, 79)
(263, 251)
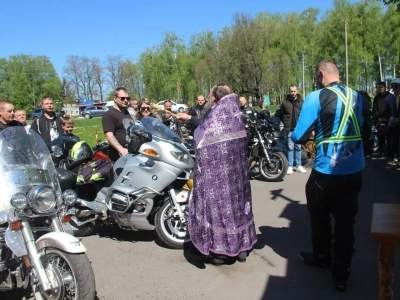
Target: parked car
(94, 111)
(176, 107)
(38, 112)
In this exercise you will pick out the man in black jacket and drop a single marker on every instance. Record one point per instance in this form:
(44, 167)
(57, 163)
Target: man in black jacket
(49, 125)
(379, 113)
(289, 113)
(247, 110)
(7, 115)
(198, 111)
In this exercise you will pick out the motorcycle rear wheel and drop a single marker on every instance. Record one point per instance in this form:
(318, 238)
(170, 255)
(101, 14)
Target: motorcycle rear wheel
(169, 227)
(276, 170)
(73, 274)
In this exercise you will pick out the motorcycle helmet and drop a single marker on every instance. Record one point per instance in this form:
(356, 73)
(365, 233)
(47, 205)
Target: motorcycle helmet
(138, 136)
(80, 153)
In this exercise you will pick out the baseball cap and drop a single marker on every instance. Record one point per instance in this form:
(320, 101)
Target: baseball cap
(396, 81)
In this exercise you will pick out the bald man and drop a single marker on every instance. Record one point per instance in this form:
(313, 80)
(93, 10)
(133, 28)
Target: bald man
(340, 118)
(246, 109)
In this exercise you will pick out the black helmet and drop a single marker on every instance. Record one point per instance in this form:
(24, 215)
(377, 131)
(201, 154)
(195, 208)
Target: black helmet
(138, 136)
(80, 153)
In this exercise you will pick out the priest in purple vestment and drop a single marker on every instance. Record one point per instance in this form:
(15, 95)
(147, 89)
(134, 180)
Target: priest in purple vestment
(221, 223)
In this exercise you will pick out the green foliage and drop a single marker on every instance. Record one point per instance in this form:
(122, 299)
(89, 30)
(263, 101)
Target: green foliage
(25, 80)
(255, 56)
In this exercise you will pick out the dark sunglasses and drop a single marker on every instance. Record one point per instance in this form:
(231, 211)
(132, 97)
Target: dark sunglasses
(124, 98)
(145, 108)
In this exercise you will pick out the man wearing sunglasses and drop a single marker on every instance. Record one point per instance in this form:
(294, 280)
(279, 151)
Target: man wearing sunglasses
(113, 126)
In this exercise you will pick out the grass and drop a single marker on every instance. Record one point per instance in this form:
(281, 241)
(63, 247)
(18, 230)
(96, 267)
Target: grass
(86, 130)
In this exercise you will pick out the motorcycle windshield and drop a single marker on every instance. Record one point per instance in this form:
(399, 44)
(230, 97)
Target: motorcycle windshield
(158, 129)
(25, 162)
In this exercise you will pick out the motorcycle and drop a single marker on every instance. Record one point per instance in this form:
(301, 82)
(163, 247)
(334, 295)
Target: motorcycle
(36, 247)
(150, 189)
(262, 137)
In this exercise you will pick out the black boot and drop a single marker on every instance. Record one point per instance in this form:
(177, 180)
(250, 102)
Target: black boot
(242, 256)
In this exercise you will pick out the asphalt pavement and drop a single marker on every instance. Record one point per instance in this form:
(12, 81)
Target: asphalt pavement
(131, 265)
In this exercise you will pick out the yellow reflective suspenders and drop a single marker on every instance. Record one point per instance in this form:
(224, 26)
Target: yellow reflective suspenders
(348, 114)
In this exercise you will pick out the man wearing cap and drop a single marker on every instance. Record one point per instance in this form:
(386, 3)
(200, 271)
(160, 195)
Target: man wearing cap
(393, 114)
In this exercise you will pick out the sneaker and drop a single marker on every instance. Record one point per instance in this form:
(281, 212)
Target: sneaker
(340, 285)
(301, 170)
(313, 260)
(289, 171)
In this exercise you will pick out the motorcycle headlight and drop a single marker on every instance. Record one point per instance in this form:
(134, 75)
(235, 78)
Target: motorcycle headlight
(42, 198)
(19, 201)
(183, 157)
(69, 197)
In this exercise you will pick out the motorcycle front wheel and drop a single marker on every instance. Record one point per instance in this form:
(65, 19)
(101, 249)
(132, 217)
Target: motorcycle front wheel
(276, 170)
(70, 274)
(169, 227)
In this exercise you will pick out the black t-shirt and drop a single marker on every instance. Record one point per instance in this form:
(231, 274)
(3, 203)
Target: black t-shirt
(112, 122)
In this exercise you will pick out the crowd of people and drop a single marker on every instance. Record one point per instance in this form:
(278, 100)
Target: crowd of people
(220, 222)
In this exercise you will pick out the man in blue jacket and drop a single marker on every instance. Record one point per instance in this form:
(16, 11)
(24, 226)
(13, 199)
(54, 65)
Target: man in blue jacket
(339, 117)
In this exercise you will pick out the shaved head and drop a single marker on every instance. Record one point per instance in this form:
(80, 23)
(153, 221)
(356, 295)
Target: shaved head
(326, 73)
(329, 67)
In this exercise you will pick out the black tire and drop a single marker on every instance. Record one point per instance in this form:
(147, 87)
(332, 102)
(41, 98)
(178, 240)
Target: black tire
(181, 110)
(84, 230)
(169, 228)
(66, 266)
(87, 116)
(277, 169)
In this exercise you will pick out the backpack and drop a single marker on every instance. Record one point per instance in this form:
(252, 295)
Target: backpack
(94, 171)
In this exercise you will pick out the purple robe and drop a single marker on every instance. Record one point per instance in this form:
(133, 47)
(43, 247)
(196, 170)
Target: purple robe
(220, 211)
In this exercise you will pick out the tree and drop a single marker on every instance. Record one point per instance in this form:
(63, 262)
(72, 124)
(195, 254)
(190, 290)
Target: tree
(26, 79)
(389, 2)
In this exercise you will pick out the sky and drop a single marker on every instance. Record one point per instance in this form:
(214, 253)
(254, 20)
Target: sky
(102, 28)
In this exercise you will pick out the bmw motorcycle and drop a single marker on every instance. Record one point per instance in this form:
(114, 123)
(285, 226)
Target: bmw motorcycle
(150, 189)
(262, 144)
(36, 247)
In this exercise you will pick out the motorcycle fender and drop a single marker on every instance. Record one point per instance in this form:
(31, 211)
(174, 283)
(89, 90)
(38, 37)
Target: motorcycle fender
(15, 241)
(62, 241)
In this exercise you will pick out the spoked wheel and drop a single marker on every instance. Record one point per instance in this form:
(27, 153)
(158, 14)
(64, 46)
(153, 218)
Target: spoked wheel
(171, 230)
(275, 170)
(70, 275)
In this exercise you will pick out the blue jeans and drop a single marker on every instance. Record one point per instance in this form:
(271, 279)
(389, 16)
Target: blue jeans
(292, 147)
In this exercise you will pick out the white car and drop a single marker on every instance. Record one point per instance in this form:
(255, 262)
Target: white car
(176, 107)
